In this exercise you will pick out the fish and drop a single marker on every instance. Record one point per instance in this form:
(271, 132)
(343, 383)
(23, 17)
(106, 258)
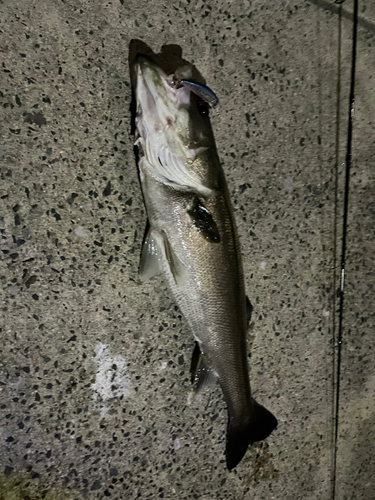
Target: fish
(192, 240)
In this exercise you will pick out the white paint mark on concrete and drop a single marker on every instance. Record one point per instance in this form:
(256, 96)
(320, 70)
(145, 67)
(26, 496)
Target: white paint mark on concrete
(163, 365)
(263, 264)
(81, 231)
(325, 313)
(111, 379)
(177, 444)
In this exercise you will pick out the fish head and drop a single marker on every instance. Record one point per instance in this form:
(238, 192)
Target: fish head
(173, 127)
(165, 106)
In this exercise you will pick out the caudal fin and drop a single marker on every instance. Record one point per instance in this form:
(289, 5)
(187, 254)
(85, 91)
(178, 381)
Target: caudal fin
(260, 425)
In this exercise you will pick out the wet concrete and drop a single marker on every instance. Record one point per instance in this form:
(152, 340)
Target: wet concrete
(95, 365)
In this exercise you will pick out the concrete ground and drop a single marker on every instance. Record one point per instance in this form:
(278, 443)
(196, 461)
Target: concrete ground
(94, 373)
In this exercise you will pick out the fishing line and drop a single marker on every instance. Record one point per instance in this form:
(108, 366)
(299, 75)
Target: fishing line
(348, 162)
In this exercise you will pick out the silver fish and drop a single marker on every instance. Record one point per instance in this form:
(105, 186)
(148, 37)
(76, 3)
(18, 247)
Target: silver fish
(192, 239)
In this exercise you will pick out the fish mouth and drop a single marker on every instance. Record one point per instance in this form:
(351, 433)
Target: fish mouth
(169, 131)
(159, 101)
(159, 84)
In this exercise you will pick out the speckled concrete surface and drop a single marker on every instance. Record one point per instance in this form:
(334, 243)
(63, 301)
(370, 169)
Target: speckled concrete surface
(95, 366)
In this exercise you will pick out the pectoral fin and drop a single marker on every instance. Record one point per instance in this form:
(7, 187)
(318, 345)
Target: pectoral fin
(201, 370)
(150, 257)
(204, 221)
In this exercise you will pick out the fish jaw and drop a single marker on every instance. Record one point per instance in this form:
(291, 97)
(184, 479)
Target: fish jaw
(160, 105)
(175, 139)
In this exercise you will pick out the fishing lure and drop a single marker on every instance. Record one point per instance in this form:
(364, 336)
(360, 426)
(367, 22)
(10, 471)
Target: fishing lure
(202, 91)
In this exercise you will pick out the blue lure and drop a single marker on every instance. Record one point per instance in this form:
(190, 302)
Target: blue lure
(202, 91)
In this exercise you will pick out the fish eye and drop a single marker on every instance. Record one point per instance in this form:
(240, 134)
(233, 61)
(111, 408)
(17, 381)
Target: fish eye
(203, 108)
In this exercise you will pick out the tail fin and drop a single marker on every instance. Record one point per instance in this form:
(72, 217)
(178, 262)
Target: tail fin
(260, 425)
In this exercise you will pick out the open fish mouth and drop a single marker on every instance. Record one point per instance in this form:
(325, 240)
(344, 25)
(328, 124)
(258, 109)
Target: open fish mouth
(171, 125)
(177, 88)
(158, 98)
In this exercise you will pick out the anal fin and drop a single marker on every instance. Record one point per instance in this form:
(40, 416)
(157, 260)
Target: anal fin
(202, 373)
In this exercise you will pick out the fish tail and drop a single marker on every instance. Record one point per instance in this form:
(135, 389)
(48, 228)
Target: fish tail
(239, 436)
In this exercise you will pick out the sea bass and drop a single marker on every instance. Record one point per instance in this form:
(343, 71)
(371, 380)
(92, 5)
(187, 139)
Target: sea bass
(192, 239)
